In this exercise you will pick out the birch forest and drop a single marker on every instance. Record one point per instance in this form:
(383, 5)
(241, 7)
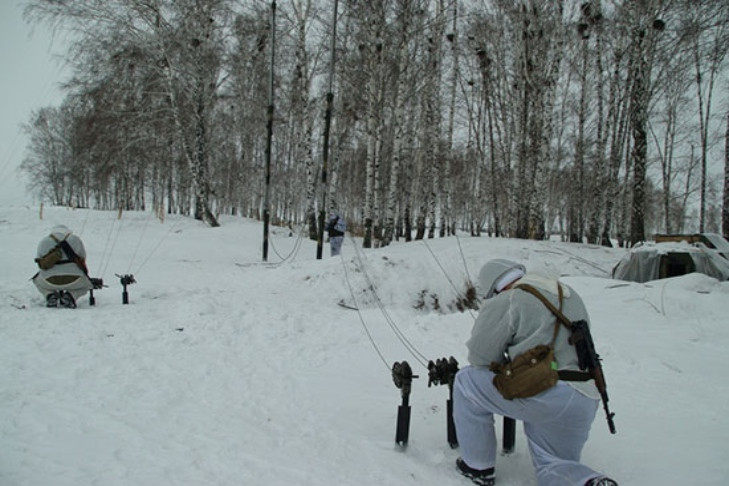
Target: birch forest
(594, 121)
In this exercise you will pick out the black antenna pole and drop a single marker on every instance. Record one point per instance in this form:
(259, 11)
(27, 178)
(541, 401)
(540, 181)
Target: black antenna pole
(325, 149)
(269, 125)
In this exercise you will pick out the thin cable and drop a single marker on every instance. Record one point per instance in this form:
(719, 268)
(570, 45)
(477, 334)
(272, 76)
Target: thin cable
(361, 319)
(159, 243)
(139, 242)
(106, 255)
(294, 251)
(83, 223)
(455, 289)
(583, 260)
(463, 259)
(419, 357)
(441, 267)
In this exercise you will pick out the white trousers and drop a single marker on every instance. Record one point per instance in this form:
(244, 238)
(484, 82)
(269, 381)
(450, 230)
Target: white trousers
(556, 423)
(336, 244)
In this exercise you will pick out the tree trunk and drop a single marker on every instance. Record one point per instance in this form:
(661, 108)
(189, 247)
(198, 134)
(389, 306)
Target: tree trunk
(374, 64)
(397, 122)
(639, 98)
(447, 220)
(725, 205)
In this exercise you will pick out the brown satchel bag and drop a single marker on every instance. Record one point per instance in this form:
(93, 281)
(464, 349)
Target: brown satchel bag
(530, 373)
(47, 261)
(527, 375)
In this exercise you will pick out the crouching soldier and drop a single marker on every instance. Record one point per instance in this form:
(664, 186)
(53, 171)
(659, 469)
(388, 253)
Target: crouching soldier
(62, 277)
(557, 415)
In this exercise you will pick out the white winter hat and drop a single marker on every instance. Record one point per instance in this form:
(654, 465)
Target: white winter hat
(496, 274)
(508, 278)
(60, 230)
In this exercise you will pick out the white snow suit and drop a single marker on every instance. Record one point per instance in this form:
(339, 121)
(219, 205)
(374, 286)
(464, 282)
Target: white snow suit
(557, 421)
(336, 226)
(66, 275)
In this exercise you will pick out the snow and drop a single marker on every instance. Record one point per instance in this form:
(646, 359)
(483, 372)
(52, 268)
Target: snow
(225, 370)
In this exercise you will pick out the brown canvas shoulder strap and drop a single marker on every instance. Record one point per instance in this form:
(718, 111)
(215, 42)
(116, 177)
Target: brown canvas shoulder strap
(551, 307)
(565, 375)
(73, 257)
(557, 312)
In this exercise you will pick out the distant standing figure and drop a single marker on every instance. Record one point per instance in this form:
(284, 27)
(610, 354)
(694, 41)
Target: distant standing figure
(336, 227)
(62, 276)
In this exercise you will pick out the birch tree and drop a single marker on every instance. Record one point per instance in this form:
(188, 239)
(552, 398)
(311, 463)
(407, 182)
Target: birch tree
(447, 224)
(405, 10)
(301, 116)
(539, 31)
(725, 205)
(710, 42)
(673, 102)
(617, 132)
(375, 23)
(645, 25)
(48, 155)
(182, 40)
(426, 186)
(249, 88)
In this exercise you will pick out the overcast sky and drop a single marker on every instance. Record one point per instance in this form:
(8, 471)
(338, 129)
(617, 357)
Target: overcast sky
(29, 79)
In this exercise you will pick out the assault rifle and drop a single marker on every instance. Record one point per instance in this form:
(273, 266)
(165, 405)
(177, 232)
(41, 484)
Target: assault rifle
(587, 358)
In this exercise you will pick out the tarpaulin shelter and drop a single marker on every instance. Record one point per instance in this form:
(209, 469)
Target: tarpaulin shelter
(712, 240)
(653, 261)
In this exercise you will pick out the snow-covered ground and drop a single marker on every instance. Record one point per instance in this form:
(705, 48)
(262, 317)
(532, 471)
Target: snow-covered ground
(224, 370)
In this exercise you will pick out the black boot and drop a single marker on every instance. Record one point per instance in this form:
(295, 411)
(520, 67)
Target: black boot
(52, 299)
(482, 477)
(601, 481)
(67, 301)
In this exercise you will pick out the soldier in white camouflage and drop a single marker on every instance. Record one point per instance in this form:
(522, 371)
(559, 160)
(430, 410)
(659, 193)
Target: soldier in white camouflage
(62, 277)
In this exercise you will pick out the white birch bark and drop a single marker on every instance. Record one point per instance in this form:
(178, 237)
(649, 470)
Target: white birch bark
(398, 117)
(432, 126)
(374, 21)
(302, 122)
(717, 49)
(448, 225)
(725, 201)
